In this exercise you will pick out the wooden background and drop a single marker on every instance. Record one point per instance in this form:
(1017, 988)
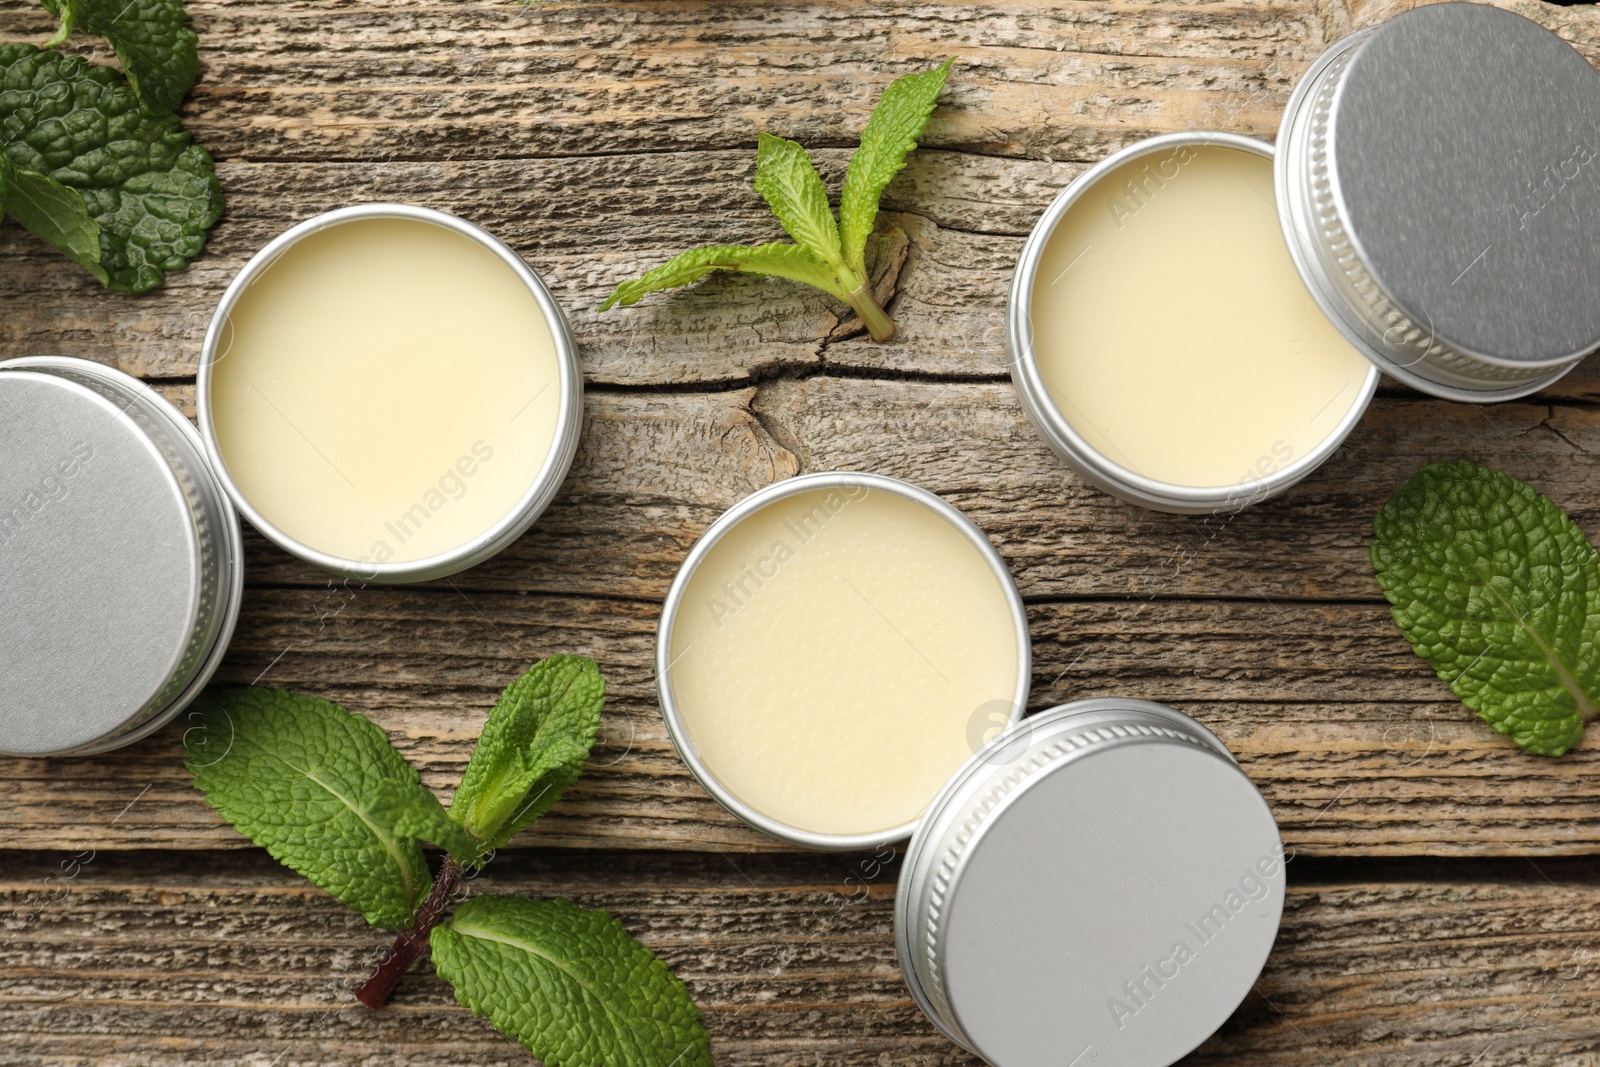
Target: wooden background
(1443, 897)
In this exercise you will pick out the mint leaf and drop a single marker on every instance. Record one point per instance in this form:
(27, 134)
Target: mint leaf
(52, 212)
(569, 984)
(891, 134)
(778, 259)
(1499, 591)
(791, 186)
(297, 775)
(152, 193)
(152, 40)
(409, 811)
(532, 748)
(789, 183)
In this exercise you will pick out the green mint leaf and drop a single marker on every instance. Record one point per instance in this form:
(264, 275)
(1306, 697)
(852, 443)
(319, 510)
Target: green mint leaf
(532, 748)
(412, 811)
(569, 984)
(1499, 591)
(792, 188)
(778, 260)
(297, 775)
(890, 136)
(64, 30)
(52, 212)
(152, 40)
(152, 193)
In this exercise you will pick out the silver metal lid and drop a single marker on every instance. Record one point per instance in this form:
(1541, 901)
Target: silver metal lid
(1102, 884)
(1439, 184)
(119, 559)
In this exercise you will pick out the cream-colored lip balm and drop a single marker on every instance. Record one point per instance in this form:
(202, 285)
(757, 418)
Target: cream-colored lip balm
(1169, 338)
(833, 649)
(390, 393)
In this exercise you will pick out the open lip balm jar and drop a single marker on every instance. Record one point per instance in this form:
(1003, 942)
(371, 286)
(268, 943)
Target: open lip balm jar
(1161, 339)
(1155, 874)
(833, 648)
(1190, 320)
(389, 392)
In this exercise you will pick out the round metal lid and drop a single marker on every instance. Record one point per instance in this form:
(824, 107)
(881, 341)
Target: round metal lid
(1100, 886)
(1464, 144)
(100, 568)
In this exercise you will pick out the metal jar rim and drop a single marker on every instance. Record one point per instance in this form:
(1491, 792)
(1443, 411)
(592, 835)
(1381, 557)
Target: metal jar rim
(1058, 432)
(545, 484)
(678, 730)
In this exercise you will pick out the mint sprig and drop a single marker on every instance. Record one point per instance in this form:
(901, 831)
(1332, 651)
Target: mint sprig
(571, 985)
(150, 194)
(323, 790)
(828, 253)
(1499, 591)
(152, 40)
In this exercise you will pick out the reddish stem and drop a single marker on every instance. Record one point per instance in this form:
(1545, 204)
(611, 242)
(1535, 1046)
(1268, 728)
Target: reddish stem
(375, 991)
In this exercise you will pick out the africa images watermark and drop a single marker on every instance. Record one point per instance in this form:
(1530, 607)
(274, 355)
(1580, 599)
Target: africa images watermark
(741, 590)
(47, 489)
(452, 484)
(1550, 184)
(1142, 990)
(1140, 191)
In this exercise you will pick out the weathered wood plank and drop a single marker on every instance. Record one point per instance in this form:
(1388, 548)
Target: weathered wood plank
(231, 959)
(586, 224)
(1357, 747)
(655, 469)
(425, 80)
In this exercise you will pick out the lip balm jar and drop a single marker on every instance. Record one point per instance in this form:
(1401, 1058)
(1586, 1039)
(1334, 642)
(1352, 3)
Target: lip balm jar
(390, 393)
(832, 649)
(1435, 194)
(1157, 868)
(1161, 340)
(120, 559)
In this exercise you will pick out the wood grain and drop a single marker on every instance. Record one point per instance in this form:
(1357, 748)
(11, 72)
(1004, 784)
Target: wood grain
(675, 433)
(1357, 747)
(656, 468)
(150, 962)
(599, 138)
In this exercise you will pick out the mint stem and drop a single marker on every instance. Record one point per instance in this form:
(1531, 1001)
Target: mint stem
(879, 324)
(376, 990)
